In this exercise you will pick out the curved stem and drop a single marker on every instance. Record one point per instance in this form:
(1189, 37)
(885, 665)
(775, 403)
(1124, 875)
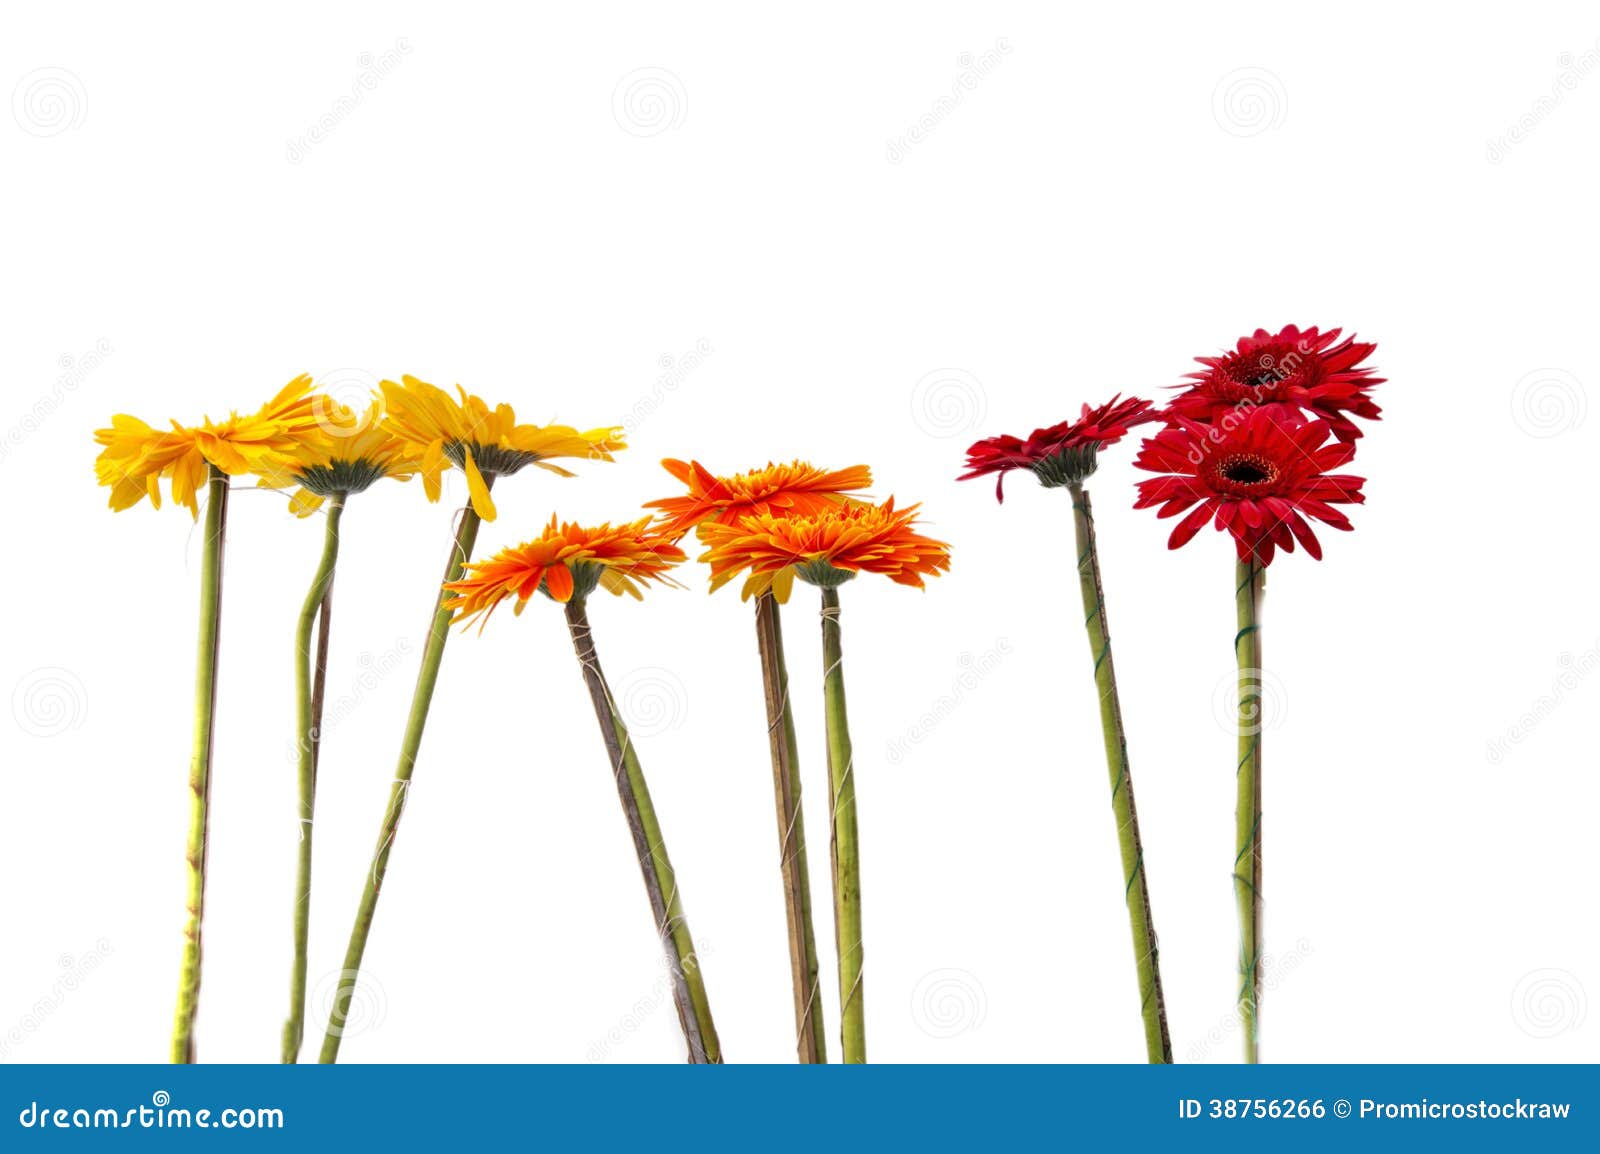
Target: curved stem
(432, 655)
(1136, 889)
(205, 710)
(317, 609)
(660, 882)
(810, 1029)
(846, 845)
(1250, 584)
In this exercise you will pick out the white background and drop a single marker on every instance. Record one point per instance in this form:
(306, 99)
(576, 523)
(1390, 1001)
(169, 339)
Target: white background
(1116, 192)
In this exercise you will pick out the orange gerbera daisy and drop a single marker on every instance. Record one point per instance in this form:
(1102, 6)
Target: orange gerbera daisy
(826, 548)
(796, 489)
(480, 441)
(566, 561)
(135, 456)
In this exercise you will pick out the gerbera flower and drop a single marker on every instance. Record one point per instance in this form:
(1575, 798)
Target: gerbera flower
(1307, 371)
(1061, 454)
(796, 488)
(568, 562)
(825, 548)
(480, 441)
(1066, 455)
(135, 457)
(1259, 481)
(347, 452)
(565, 561)
(483, 443)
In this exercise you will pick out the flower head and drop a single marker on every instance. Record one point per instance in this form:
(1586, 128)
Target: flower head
(565, 561)
(1306, 371)
(1061, 454)
(824, 548)
(135, 457)
(480, 441)
(347, 452)
(1259, 481)
(795, 488)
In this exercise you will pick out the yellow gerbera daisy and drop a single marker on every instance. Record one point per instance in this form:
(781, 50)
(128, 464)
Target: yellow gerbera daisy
(135, 456)
(347, 452)
(480, 441)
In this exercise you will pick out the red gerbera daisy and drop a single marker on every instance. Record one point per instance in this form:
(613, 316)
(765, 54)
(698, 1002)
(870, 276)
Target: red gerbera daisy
(1309, 371)
(1061, 454)
(1259, 480)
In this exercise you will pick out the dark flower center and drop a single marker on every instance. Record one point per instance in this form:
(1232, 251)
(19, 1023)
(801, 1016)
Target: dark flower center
(1260, 376)
(1245, 473)
(489, 458)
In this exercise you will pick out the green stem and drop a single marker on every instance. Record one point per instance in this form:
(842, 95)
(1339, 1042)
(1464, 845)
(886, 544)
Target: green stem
(205, 710)
(432, 654)
(846, 844)
(316, 610)
(1136, 889)
(660, 883)
(810, 1029)
(1250, 578)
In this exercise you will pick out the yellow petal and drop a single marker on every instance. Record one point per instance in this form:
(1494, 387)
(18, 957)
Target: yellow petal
(479, 490)
(304, 502)
(432, 469)
(783, 584)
